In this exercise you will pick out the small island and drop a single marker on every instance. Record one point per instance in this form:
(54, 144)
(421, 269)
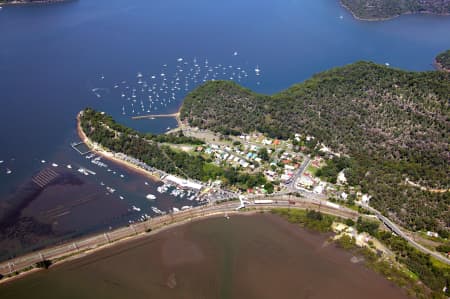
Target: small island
(442, 61)
(377, 10)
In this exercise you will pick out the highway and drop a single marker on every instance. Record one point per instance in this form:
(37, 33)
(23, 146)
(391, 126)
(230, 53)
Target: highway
(394, 228)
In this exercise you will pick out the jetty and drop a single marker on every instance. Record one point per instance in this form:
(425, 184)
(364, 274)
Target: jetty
(175, 115)
(151, 116)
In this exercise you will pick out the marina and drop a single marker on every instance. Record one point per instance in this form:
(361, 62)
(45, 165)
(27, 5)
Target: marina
(80, 147)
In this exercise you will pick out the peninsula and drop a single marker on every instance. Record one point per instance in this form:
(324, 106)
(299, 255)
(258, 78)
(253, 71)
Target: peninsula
(376, 10)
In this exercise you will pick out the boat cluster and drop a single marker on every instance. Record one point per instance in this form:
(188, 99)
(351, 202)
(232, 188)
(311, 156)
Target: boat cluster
(7, 170)
(178, 192)
(155, 91)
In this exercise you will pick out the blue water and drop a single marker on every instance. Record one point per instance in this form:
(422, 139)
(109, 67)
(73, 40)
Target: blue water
(51, 56)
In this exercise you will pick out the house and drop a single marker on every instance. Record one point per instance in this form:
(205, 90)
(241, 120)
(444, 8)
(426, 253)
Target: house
(306, 181)
(267, 141)
(365, 199)
(318, 189)
(432, 234)
(341, 179)
(285, 177)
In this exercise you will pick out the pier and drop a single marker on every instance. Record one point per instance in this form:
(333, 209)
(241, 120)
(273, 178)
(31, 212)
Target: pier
(151, 116)
(170, 115)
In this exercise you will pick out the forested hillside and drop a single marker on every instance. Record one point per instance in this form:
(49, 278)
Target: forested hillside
(443, 60)
(384, 9)
(394, 124)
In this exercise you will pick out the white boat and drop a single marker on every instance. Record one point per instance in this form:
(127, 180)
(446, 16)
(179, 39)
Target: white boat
(83, 171)
(175, 210)
(136, 208)
(1, 161)
(69, 166)
(150, 196)
(157, 211)
(90, 172)
(257, 70)
(8, 171)
(54, 165)
(110, 190)
(121, 197)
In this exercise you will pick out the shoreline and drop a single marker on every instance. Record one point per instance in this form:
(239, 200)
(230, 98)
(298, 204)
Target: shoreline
(78, 254)
(18, 3)
(110, 156)
(380, 19)
(163, 223)
(439, 67)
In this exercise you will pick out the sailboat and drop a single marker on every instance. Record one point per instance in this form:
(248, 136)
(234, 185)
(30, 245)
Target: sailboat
(257, 70)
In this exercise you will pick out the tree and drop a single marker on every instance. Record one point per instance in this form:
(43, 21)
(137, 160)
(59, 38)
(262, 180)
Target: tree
(263, 154)
(269, 187)
(349, 222)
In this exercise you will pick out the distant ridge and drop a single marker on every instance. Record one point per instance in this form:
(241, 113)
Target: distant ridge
(373, 10)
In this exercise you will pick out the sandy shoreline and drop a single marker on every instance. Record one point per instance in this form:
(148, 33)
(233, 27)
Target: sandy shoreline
(110, 156)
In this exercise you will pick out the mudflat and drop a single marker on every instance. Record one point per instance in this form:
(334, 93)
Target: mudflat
(259, 256)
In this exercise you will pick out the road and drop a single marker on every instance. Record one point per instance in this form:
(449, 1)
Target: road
(78, 247)
(394, 228)
(298, 173)
(280, 200)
